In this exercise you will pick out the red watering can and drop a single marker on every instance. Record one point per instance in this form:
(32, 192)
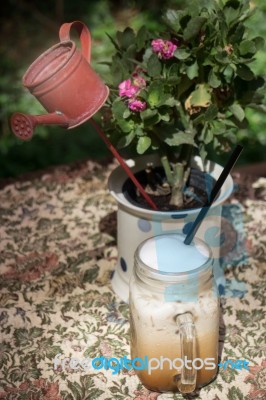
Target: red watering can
(69, 89)
(63, 81)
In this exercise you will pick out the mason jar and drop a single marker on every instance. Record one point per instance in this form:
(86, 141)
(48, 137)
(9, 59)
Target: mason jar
(174, 314)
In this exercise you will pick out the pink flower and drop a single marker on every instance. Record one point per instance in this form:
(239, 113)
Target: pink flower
(164, 48)
(139, 81)
(127, 89)
(138, 70)
(157, 45)
(137, 105)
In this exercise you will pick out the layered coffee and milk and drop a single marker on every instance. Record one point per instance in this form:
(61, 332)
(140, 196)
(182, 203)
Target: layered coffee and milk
(170, 279)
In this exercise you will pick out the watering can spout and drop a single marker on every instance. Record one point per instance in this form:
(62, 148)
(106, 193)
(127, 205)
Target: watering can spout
(23, 125)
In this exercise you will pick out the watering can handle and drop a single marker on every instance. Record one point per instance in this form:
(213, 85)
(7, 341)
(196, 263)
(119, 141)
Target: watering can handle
(84, 35)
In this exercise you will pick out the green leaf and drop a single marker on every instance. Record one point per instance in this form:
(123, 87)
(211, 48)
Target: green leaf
(173, 70)
(163, 100)
(237, 34)
(179, 138)
(231, 14)
(130, 53)
(244, 72)
(199, 119)
(213, 79)
(171, 17)
(126, 38)
(144, 143)
(118, 108)
(259, 42)
(141, 37)
(237, 111)
(126, 140)
(193, 27)
(152, 120)
(147, 54)
(203, 153)
(125, 126)
(229, 72)
(211, 112)
(184, 85)
(167, 101)
(154, 66)
(113, 42)
(154, 94)
(201, 96)
(173, 74)
(222, 57)
(193, 70)
(207, 136)
(258, 107)
(147, 114)
(247, 47)
(126, 113)
(165, 116)
(117, 71)
(182, 54)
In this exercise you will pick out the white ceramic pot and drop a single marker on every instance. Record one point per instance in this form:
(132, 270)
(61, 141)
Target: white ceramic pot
(135, 224)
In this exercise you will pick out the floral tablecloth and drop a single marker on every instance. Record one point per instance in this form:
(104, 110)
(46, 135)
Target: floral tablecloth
(57, 254)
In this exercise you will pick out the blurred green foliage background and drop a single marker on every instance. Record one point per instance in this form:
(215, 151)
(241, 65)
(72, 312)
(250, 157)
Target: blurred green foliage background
(28, 28)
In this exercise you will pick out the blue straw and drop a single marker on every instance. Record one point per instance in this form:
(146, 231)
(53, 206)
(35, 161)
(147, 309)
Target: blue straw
(219, 183)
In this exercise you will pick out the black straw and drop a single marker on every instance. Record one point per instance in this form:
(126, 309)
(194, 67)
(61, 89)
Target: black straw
(219, 183)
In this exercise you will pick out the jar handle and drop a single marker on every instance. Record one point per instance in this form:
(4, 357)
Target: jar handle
(187, 382)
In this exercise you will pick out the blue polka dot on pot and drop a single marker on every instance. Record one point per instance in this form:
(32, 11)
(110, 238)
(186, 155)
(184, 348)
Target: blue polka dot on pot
(178, 216)
(144, 226)
(187, 227)
(123, 264)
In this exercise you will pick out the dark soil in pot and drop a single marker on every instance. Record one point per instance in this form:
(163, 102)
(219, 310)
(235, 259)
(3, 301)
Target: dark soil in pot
(197, 190)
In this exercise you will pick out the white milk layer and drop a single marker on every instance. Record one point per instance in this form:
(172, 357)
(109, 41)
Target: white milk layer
(168, 253)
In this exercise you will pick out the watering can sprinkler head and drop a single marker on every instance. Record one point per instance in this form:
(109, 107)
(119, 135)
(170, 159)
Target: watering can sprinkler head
(23, 125)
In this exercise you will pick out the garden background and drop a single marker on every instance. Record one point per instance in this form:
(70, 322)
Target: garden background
(28, 28)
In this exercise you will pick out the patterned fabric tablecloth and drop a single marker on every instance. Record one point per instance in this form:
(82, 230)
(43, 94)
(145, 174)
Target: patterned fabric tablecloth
(57, 254)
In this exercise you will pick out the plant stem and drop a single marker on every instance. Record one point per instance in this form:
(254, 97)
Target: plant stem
(183, 116)
(167, 169)
(186, 154)
(177, 187)
(180, 174)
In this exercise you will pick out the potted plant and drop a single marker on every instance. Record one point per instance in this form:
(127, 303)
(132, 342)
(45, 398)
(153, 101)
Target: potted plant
(173, 94)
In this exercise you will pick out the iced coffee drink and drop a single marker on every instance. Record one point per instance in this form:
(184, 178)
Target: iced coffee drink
(174, 311)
